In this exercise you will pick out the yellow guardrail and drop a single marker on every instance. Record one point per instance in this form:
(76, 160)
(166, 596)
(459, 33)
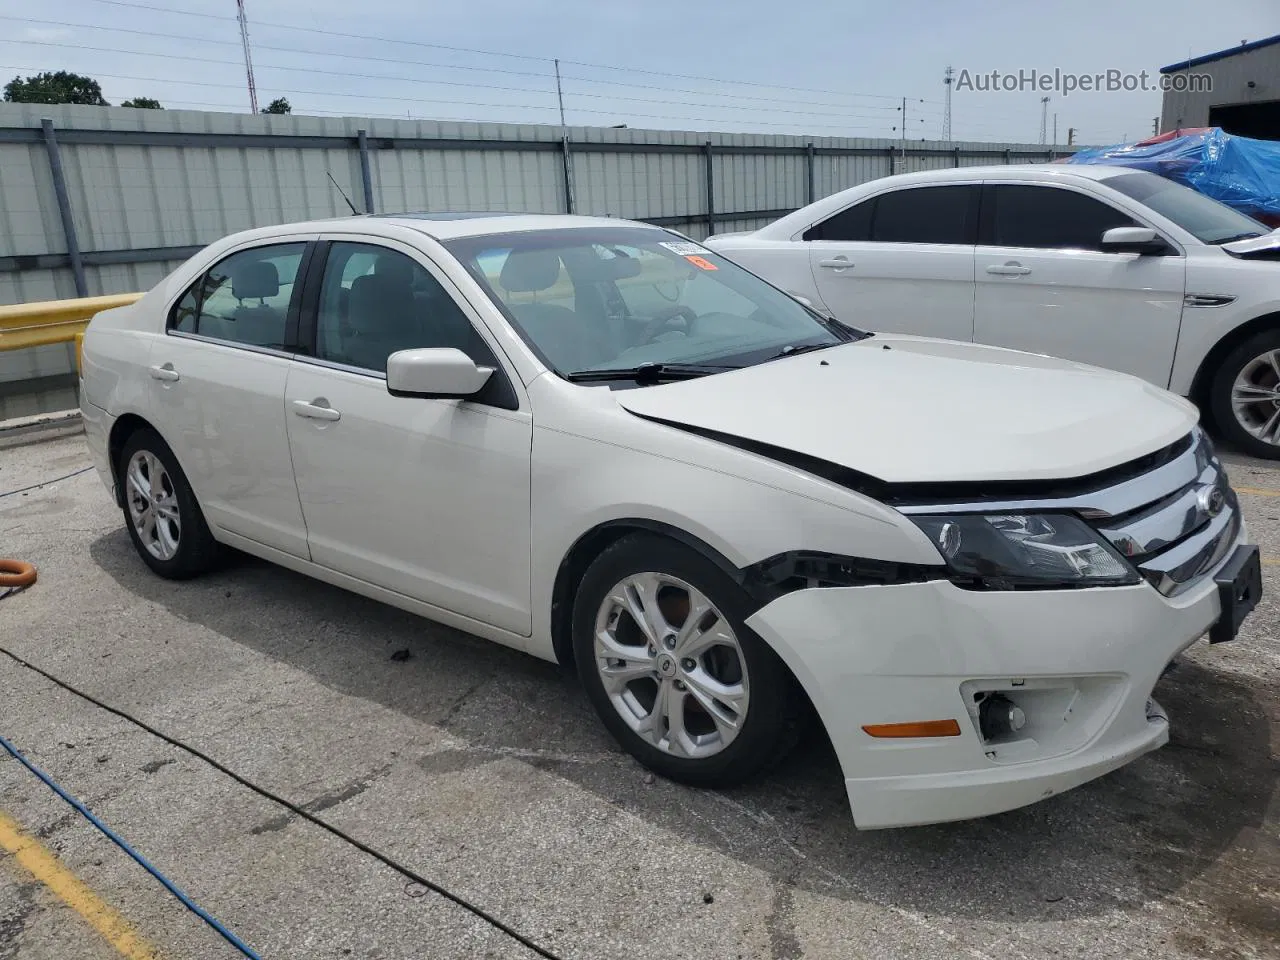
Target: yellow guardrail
(25, 325)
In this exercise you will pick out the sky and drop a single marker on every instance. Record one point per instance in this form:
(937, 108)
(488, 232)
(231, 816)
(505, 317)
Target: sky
(809, 67)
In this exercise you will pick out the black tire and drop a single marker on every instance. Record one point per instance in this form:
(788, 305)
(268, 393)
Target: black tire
(197, 551)
(776, 714)
(1220, 407)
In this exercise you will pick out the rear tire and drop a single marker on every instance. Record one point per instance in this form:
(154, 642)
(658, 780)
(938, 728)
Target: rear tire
(1244, 396)
(703, 702)
(164, 520)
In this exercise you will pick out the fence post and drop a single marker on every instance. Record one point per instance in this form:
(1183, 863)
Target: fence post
(955, 157)
(892, 153)
(64, 207)
(711, 189)
(809, 162)
(365, 179)
(1007, 157)
(566, 164)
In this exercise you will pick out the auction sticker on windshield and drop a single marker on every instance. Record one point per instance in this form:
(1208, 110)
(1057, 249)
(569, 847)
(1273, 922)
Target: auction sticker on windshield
(702, 263)
(684, 249)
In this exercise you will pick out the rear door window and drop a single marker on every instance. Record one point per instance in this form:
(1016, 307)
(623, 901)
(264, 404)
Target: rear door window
(244, 298)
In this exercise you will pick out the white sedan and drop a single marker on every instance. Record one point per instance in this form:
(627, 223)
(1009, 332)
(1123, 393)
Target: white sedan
(1105, 265)
(608, 446)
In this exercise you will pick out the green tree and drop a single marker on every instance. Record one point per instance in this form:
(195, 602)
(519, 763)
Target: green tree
(278, 105)
(60, 87)
(143, 103)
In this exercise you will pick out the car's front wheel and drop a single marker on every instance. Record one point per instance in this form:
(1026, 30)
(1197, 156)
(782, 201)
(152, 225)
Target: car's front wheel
(672, 669)
(1244, 395)
(160, 509)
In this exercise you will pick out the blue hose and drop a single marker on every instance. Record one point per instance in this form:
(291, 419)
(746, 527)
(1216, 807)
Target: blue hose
(115, 838)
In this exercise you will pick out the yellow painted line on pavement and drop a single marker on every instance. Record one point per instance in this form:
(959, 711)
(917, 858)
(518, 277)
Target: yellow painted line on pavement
(1271, 561)
(72, 891)
(1257, 491)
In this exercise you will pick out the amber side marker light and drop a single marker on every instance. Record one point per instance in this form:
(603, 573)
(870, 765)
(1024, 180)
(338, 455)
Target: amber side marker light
(919, 728)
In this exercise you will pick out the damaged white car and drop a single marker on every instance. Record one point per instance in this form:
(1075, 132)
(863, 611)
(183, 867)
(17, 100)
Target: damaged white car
(608, 446)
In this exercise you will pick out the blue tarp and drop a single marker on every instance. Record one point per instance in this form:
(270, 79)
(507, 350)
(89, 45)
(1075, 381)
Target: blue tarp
(1238, 171)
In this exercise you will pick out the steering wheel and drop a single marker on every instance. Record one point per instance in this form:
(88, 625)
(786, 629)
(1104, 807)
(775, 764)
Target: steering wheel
(662, 320)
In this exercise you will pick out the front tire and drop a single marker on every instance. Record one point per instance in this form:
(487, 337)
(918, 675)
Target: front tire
(672, 669)
(160, 509)
(1244, 396)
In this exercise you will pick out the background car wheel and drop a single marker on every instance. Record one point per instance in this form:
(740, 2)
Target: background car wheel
(674, 673)
(1244, 396)
(160, 510)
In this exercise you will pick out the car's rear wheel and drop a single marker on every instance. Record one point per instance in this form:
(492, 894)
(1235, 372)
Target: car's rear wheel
(1244, 395)
(160, 509)
(672, 669)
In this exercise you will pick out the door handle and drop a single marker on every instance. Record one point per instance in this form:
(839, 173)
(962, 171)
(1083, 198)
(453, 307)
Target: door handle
(313, 410)
(1010, 269)
(837, 263)
(165, 373)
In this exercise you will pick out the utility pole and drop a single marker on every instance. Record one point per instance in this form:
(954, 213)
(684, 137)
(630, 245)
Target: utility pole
(564, 145)
(248, 61)
(1044, 119)
(1055, 129)
(904, 136)
(946, 110)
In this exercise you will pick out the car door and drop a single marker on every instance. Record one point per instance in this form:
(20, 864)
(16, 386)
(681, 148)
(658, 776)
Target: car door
(425, 497)
(1045, 285)
(901, 261)
(216, 390)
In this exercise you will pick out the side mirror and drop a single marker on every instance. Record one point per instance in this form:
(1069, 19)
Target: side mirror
(1133, 240)
(439, 373)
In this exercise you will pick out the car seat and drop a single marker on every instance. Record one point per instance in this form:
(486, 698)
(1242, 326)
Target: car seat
(260, 324)
(559, 332)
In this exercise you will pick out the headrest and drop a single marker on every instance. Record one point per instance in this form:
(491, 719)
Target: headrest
(394, 268)
(618, 267)
(527, 271)
(257, 279)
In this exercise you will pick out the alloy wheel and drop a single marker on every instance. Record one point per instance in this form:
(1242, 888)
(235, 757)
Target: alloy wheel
(671, 665)
(153, 505)
(1255, 397)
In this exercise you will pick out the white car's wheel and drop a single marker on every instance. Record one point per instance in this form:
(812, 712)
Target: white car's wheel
(1245, 395)
(160, 509)
(673, 671)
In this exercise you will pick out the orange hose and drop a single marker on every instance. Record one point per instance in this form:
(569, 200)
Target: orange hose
(16, 573)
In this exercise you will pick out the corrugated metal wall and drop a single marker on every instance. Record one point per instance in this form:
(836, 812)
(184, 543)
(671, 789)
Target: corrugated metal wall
(137, 205)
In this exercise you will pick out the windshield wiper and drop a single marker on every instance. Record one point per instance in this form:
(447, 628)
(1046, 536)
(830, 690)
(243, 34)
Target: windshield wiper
(1247, 235)
(792, 349)
(647, 373)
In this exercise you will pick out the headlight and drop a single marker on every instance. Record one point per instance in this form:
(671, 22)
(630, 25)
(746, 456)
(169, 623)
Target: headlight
(1009, 551)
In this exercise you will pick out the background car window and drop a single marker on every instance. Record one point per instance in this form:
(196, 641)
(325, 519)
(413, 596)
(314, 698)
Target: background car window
(926, 215)
(852, 224)
(375, 301)
(244, 298)
(1051, 218)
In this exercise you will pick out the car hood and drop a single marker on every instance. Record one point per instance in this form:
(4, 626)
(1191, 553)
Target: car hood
(1263, 247)
(915, 410)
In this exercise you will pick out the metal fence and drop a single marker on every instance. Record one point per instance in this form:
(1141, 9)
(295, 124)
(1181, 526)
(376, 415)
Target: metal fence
(100, 200)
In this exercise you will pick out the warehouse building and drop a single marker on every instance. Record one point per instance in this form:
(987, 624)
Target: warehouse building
(1236, 89)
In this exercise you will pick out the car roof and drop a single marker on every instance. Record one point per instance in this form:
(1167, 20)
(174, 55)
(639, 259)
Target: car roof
(1016, 171)
(441, 225)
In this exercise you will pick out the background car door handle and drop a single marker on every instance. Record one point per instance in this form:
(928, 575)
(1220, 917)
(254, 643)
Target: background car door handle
(838, 263)
(165, 373)
(314, 411)
(1008, 269)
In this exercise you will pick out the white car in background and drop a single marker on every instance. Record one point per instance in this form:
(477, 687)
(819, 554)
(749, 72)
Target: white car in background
(608, 446)
(1105, 265)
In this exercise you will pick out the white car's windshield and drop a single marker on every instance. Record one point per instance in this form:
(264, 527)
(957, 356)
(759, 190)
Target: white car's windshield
(595, 299)
(1203, 217)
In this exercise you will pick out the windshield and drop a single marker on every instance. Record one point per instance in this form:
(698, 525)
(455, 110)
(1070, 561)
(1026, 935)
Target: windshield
(608, 298)
(1203, 217)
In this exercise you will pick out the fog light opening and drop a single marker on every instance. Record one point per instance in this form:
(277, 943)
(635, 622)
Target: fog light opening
(999, 717)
